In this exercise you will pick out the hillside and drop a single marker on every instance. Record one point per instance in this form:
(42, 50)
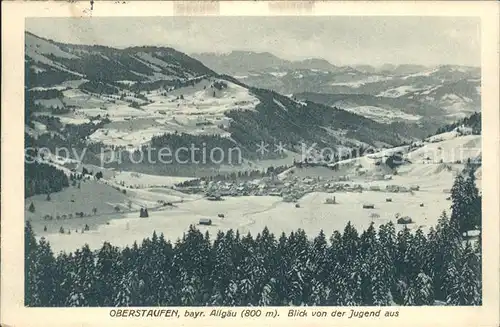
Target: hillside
(473, 122)
(100, 98)
(50, 62)
(400, 114)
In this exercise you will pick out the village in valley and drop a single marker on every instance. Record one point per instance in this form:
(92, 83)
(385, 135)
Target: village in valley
(408, 185)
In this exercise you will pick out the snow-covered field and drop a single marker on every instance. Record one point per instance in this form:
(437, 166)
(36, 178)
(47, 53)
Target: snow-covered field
(77, 98)
(361, 82)
(145, 180)
(382, 115)
(278, 74)
(252, 214)
(125, 137)
(73, 199)
(197, 109)
(73, 120)
(50, 103)
(449, 150)
(398, 91)
(245, 213)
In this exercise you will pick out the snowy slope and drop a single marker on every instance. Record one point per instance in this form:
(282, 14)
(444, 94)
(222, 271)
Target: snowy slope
(98, 62)
(445, 152)
(382, 115)
(397, 91)
(145, 181)
(41, 51)
(197, 109)
(457, 149)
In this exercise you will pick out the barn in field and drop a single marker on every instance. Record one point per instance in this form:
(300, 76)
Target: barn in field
(205, 221)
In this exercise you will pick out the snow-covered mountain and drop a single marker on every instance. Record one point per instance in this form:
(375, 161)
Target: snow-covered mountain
(453, 90)
(131, 97)
(383, 109)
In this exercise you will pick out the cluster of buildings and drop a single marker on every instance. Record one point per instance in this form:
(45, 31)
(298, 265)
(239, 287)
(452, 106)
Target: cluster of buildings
(290, 189)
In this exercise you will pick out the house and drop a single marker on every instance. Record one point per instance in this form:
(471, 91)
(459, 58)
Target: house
(205, 221)
(404, 220)
(330, 201)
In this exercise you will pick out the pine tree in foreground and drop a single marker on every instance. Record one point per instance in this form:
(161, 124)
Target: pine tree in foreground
(466, 201)
(235, 271)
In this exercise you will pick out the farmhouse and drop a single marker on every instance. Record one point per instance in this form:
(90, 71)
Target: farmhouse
(330, 201)
(404, 220)
(205, 221)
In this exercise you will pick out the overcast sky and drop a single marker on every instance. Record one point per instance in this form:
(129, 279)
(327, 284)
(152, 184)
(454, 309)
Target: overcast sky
(340, 40)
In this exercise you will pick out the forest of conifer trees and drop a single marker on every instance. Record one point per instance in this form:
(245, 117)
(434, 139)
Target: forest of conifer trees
(41, 178)
(350, 268)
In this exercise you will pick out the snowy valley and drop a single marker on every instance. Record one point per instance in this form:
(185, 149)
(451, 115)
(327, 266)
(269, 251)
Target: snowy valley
(269, 160)
(420, 188)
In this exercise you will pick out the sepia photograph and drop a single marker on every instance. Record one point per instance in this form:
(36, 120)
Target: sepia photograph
(253, 162)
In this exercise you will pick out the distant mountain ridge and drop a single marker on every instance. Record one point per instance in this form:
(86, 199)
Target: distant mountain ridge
(243, 62)
(453, 91)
